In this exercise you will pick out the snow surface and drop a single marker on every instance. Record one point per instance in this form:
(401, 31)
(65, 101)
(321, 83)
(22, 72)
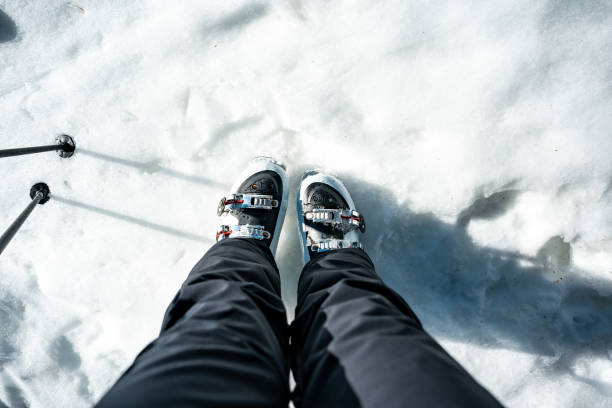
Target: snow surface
(474, 135)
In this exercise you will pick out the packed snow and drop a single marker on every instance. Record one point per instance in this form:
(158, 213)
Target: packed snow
(474, 135)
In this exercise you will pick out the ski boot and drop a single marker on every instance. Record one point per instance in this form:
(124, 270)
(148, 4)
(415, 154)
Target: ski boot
(258, 203)
(327, 218)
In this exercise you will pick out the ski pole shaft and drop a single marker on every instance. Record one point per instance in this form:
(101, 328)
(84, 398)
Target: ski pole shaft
(28, 150)
(40, 195)
(64, 146)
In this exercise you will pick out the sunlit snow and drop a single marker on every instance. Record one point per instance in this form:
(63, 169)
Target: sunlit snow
(476, 137)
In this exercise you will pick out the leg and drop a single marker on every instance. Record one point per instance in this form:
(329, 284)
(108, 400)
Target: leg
(357, 343)
(223, 341)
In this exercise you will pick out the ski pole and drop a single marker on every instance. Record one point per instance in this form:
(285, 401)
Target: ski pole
(64, 145)
(40, 195)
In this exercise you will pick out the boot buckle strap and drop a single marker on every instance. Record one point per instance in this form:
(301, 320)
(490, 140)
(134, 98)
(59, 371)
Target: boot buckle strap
(242, 231)
(344, 220)
(331, 244)
(236, 202)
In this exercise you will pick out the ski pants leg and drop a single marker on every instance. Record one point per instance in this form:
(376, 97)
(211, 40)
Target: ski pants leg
(356, 343)
(224, 338)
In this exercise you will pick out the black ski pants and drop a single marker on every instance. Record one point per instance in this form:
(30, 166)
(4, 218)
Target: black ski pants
(225, 341)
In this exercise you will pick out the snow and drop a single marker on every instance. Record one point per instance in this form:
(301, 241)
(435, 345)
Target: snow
(475, 136)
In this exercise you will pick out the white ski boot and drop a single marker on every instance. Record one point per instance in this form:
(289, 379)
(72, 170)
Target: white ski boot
(258, 203)
(327, 218)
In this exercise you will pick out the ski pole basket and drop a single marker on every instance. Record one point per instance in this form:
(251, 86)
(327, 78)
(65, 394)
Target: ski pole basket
(39, 193)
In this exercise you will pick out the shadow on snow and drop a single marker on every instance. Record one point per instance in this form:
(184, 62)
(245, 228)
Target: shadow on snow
(137, 221)
(470, 293)
(151, 168)
(8, 28)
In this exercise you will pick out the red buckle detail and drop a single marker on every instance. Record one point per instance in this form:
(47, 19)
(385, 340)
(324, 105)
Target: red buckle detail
(224, 233)
(352, 217)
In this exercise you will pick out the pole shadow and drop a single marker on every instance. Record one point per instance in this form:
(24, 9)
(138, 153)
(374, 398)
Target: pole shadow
(153, 167)
(133, 220)
(8, 28)
(476, 294)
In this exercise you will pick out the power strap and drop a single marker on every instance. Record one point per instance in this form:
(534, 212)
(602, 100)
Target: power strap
(330, 244)
(343, 220)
